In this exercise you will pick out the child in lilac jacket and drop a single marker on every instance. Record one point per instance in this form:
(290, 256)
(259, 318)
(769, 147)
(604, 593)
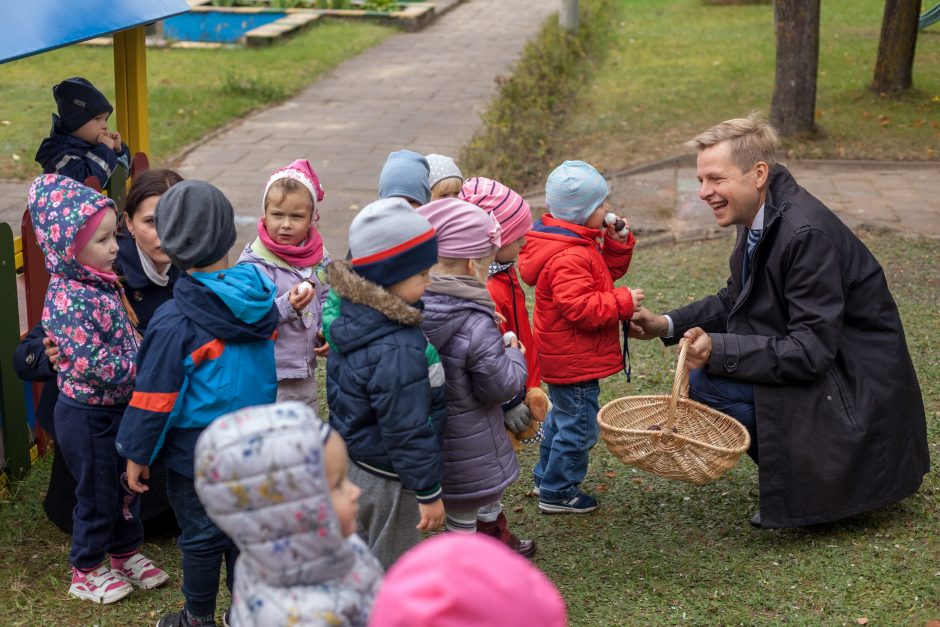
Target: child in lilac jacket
(290, 251)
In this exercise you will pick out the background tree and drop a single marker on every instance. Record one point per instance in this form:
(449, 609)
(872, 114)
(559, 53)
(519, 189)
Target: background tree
(793, 107)
(895, 65)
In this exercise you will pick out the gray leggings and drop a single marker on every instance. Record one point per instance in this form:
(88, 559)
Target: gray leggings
(465, 520)
(388, 515)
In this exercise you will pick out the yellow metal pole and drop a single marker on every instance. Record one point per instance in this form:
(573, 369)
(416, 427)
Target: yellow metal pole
(130, 85)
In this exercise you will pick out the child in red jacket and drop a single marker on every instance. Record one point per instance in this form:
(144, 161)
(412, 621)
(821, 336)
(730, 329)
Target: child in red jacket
(523, 413)
(573, 261)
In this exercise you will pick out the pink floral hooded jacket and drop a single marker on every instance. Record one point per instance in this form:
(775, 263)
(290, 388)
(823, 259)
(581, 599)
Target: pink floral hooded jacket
(83, 313)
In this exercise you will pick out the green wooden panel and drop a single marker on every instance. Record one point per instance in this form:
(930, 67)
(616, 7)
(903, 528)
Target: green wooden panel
(17, 438)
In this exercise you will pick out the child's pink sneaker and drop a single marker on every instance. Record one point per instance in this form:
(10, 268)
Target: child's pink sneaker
(138, 570)
(99, 585)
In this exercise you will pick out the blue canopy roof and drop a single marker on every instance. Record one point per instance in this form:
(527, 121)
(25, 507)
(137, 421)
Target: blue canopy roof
(28, 28)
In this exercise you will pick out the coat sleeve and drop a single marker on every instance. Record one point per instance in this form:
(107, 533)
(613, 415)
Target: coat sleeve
(400, 395)
(497, 374)
(617, 255)
(158, 386)
(815, 296)
(99, 161)
(572, 287)
(29, 360)
(710, 313)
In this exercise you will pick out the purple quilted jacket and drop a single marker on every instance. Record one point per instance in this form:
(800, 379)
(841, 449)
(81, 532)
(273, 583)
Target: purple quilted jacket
(480, 374)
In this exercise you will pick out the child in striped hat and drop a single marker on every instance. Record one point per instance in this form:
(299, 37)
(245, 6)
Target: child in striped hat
(385, 382)
(525, 413)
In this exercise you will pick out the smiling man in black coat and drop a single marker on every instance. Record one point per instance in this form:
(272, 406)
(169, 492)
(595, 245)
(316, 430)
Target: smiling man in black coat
(804, 345)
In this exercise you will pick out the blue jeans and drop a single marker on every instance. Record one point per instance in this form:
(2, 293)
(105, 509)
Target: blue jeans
(570, 432)
(735, 398)
(203, 546)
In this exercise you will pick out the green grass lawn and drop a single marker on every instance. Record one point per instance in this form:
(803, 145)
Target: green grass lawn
(191, 92)
(676, 67)
(656, 552)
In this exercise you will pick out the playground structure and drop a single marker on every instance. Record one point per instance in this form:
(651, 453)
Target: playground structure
(47, 25)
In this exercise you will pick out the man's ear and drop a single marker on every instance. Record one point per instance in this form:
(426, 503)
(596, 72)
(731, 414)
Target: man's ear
(762, 170)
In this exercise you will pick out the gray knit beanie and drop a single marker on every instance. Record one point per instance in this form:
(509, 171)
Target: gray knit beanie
(195, 223)
(405, 174)
(442, 168)
(389, 242)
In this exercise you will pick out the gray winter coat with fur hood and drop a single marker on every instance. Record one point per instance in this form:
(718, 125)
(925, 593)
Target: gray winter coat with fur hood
(480, 374)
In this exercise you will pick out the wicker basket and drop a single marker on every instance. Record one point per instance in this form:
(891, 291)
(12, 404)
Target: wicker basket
(672, 436)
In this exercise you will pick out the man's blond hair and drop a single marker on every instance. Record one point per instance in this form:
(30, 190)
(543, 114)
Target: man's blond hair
(751, 139)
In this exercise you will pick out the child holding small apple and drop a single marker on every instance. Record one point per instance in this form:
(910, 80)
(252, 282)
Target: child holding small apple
(289, 249)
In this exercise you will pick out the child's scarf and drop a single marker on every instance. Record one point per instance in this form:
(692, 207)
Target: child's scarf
(303, 256)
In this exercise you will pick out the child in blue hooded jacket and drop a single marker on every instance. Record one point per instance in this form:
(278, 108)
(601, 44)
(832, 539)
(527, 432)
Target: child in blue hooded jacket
(84, 314)
(207, 352)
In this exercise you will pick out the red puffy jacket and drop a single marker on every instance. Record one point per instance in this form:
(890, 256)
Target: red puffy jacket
(577, 308)
(507, 293)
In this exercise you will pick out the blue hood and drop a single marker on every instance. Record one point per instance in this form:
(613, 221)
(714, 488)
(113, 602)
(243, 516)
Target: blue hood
(56, 143)
(234, 305)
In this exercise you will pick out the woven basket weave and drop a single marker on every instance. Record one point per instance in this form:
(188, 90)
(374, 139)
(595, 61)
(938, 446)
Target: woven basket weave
(673, 436)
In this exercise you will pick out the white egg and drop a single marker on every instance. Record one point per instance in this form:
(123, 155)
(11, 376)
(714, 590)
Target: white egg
(304, 287)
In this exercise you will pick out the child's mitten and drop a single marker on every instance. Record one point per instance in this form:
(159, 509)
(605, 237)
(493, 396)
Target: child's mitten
(518, 419)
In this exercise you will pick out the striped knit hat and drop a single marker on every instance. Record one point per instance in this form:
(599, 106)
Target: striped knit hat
(389, 242)
(574, 190)
(508, 207)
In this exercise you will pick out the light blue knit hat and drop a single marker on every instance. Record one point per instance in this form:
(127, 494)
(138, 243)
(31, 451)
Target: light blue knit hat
(405, 174)
(574, 190)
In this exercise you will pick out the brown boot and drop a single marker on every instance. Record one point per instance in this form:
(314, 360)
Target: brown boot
(500, 530)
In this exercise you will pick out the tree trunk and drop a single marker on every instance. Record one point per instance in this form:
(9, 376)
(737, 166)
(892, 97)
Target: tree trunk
(793, 108)
(895, 65)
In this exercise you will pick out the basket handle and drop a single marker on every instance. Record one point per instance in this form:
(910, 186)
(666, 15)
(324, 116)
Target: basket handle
(680, 384)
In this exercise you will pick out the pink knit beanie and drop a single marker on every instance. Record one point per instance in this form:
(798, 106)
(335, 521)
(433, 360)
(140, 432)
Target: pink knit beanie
(464, 231)
(300, 171)
(508, 207)
(464, 580)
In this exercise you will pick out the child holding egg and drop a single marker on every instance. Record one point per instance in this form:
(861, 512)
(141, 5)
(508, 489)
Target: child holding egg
(290, 251)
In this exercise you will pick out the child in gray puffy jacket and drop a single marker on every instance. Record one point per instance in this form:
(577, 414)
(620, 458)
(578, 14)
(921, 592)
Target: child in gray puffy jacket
(273, 477)
(480, 373)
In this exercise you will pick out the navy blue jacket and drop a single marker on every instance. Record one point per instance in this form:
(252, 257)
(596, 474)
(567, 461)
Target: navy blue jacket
(67, 155)
(207, 352)
(385, 383)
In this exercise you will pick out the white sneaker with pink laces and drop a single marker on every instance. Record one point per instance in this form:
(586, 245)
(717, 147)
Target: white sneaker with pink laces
(99, 585)
(140, 571)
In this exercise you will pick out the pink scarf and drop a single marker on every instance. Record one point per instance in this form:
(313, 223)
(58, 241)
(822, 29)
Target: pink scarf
(303, 256)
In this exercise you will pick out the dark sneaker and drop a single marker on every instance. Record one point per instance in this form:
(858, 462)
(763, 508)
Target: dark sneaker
(580, 503)
(183, 619)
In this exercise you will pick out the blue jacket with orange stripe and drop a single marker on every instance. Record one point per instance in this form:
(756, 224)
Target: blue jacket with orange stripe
(207, 352)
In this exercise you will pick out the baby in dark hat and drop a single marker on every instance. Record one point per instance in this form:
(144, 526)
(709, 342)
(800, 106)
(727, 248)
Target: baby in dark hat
(79, 145)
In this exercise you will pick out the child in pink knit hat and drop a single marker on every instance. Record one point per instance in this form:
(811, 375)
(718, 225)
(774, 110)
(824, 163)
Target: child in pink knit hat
(525, 413)
(466, 581)
(480, 373)
(290, 251)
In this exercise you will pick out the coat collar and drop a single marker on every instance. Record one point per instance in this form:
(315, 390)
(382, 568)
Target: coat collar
(359, 290)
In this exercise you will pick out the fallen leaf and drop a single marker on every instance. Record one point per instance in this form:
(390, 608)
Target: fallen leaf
(601, 487)
(933, 623)
(611, 474)
(5, 122)
(862, 620)
(637, 481)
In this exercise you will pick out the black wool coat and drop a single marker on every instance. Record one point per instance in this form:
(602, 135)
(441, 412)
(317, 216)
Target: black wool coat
(840, 417)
